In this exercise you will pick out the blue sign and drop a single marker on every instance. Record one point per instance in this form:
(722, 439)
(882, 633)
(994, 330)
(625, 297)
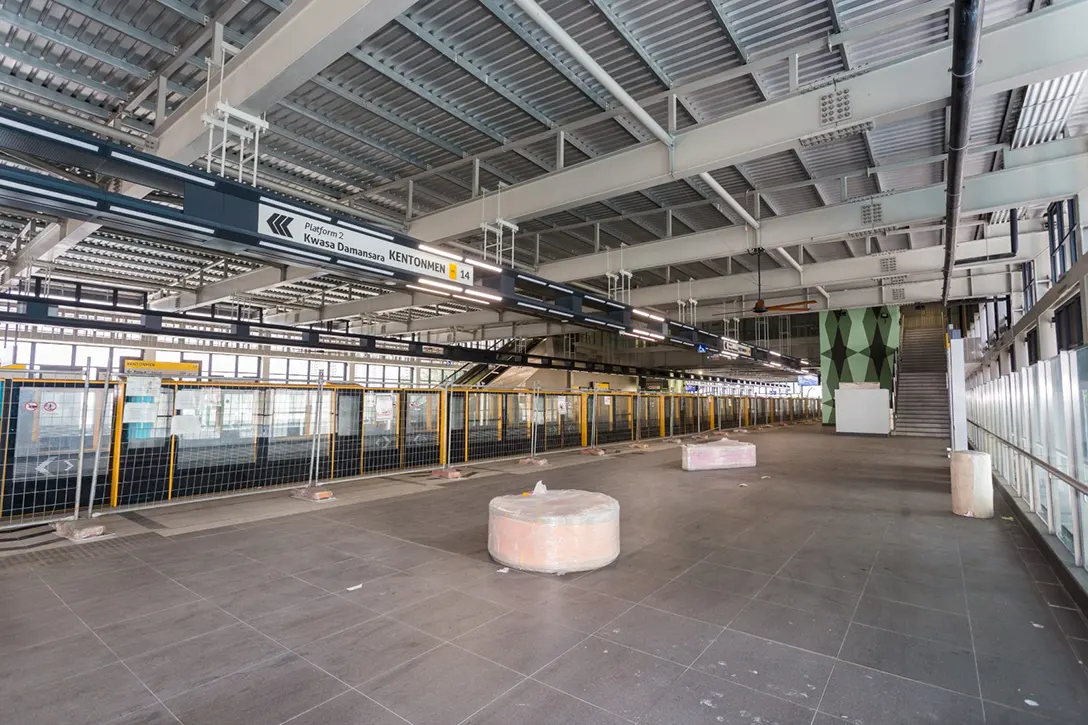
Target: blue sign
(701, 348)
(691, 388)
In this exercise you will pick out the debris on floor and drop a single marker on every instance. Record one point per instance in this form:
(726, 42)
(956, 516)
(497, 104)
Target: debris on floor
(355, 588)
(1031, 703)
(504, 570)
(744, 485)
(763, 477)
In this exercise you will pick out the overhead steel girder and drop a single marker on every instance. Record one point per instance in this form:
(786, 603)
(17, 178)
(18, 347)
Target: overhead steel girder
(840, 271)
(1039, 46)
(1046, 179)
(224, 290)
(293, 48)
(964, 286)
(390, 302)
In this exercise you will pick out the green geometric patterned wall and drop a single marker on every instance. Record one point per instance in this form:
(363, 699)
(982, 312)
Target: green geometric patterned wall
(856, 346)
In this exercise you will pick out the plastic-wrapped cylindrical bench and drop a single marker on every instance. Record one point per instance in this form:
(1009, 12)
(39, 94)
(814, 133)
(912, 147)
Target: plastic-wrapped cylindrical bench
(556, 532)
(717, 454)
(972, 484)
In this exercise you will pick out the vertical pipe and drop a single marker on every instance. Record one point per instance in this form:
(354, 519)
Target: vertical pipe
(98, 438)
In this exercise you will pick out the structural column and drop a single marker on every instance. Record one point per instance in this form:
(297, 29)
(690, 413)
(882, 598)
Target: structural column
(1048, 336)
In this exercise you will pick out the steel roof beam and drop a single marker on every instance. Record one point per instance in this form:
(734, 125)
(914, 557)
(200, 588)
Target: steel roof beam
(294, 47)
(1043, 180)
(1041, 45)
(225, 290)
(79, 46)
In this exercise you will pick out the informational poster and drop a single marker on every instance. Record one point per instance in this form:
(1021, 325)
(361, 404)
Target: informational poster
(383, 407)
(140, 412)
(143, 386)
(185, 425)
(561, 404)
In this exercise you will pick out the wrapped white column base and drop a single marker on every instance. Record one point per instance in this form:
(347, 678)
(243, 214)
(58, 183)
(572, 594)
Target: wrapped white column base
(972, 485)
(554, 531)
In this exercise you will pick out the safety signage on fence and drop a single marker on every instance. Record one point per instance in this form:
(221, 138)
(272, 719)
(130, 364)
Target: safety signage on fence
(49, 406)
(364, 246)
(30, 406)
(155, 367)
(383, 407)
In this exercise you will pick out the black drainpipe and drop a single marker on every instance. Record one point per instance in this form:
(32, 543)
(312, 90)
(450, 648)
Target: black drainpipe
(966, 28)
(1014, 243)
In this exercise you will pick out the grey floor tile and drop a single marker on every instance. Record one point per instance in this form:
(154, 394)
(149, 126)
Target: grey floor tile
(738, 582)
(946, 596)
(217, 582)
(406, 556)
(777, 669)
(177, 668)
(578, 609)
(764, 563)
(255, 601)
(837, 575)
(1057, 691)
(118, 606)
(669, 636)
(192, 563)
(519, 642)
(917, 566)
(37, 627)
(810, 597)
(154, 715)
(365, 544)
(453, 571)
(1029, 636)
(339, 577)
(356, 655)
(515, 589)
(394, 591)
(310, 557)
(631, 584)
(859, 695)
(19, 599)
(611, 676)
(698, 699)
(165, 627)
(57, 660)
(1001, 715)
(690, 600)
(442, 687)
(1071, 622)
(303, 623)
(533, 703)
(951, 629)
(98, 696)
(105, 583)
(69, 571)
(952, 668)
(268, 694)
(661, 565)
(1056, 596)
(350, 708)
(449, 614)
(816, 632)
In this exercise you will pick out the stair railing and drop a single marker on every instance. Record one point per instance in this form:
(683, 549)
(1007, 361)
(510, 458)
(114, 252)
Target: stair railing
(895, 382)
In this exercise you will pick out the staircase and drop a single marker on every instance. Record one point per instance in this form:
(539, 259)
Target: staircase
(921, 403)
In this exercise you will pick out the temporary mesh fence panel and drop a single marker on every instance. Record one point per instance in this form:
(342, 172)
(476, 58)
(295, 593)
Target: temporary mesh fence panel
(163, 441)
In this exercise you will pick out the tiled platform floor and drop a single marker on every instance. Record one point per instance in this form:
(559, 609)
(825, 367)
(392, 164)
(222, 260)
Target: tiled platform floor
(833, 588)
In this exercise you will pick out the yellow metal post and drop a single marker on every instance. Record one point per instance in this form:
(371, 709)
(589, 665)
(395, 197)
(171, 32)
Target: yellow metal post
(443, 426)
(661, 415)
(170, 475)
(584, 426)
(744, 411)
(115, 477)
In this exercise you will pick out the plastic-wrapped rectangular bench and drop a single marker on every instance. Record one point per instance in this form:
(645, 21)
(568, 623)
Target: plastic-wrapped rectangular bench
(724, 453)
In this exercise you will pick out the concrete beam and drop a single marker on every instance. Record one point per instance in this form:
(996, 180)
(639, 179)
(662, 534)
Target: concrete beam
(224, 290)
(301, 41)
(1039, 46)
(1028, 183)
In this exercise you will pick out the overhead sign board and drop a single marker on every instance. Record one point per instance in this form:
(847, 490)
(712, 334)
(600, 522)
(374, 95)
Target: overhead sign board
(154, 367)
(364, 246)
(737, 347)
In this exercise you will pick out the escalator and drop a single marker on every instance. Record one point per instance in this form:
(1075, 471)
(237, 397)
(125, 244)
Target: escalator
(481, 374)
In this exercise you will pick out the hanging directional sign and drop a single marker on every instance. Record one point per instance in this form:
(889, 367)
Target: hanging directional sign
(366, 246)
(701, 348)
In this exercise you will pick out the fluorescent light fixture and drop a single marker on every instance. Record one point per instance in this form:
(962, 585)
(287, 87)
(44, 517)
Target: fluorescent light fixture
(440, 252)
(161, 169)
(533, 307)
(297, 209)
(47, 192)
(472, 300)
(47, 134)
(534, 280)
(485, 295)
(629, 334)
(728, 339)
(440, 285)
(647, 333)
(427, 290)
(648, 315)
(804, 362)
(482, 265)
(292, 250)
(365, 268)
(162, 220)
(613, 304)
(591, 298)
(561, 289)
(595, 321)
(364, 230)
(616, 327)
(776, 354)
(561, 314)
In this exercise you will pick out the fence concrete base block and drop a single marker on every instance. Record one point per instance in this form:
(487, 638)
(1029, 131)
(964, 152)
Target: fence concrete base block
(640, 446)
(592, 452)
(447, 473)
(556, 532)
(80, 530)
(701, 437)
(972, 484)
(532, 461)
(313, 494)
(718, 454)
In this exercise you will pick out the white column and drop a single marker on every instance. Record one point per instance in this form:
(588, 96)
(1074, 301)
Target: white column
(1048, 336)
(1005, 362)
(1021, 347)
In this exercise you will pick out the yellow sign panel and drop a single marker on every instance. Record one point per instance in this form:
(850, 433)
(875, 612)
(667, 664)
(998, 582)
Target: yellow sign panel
(154, 366)
(453, 271)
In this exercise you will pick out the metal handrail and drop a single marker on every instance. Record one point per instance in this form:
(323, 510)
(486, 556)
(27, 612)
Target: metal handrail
(1081, 487)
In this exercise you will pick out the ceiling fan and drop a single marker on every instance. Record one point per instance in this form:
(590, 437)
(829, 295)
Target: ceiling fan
(762, 307)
